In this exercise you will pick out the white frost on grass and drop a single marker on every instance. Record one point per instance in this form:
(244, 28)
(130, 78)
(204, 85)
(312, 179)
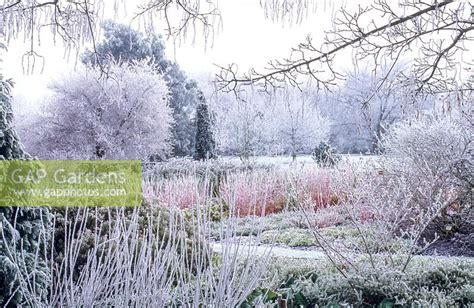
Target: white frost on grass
(301, 160)
(255, 249)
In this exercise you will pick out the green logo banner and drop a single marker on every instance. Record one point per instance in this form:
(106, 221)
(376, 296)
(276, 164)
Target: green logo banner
(70, 183)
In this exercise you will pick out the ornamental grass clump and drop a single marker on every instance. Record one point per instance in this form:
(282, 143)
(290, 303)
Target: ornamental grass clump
(143, 256)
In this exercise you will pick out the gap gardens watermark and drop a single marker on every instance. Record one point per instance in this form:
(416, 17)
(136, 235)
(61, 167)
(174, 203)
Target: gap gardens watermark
(70, 183)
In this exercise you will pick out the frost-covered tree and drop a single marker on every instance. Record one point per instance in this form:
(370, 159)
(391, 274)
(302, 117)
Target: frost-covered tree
(287, 122)
(123, 44)
(21, 227)
(241, 125)
(125, 115)
(365, 107)
(297, 122)
(205, 143)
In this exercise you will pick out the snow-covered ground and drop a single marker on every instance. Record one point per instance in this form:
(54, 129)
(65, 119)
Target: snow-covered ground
(261, 250)
(285, 160)
(274, 251)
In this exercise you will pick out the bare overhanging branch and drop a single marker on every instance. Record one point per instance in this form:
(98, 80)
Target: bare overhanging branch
(76, 22)
(439, 31)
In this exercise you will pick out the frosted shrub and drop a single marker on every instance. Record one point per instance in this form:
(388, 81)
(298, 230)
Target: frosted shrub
(313, 185)
(435, 158)
(253, 191)
(277, 190)
(210, 169)
(438, 144)
(265, 190)
(427, 282)
(182, 191)
(393, 200)
(325, 155)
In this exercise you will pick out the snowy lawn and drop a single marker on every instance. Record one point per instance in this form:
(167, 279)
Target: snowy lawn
(301, 160)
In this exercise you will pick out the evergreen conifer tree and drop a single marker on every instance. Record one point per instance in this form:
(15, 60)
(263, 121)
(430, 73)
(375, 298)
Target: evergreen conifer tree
(205, 143)
(22, 228)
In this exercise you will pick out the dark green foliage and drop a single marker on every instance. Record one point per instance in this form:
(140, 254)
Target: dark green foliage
(425, 283)
(205, 143)
(122, 44)
(93, 226)
(10, 147)
(258, 296)
(21, 227)
(325, 155)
